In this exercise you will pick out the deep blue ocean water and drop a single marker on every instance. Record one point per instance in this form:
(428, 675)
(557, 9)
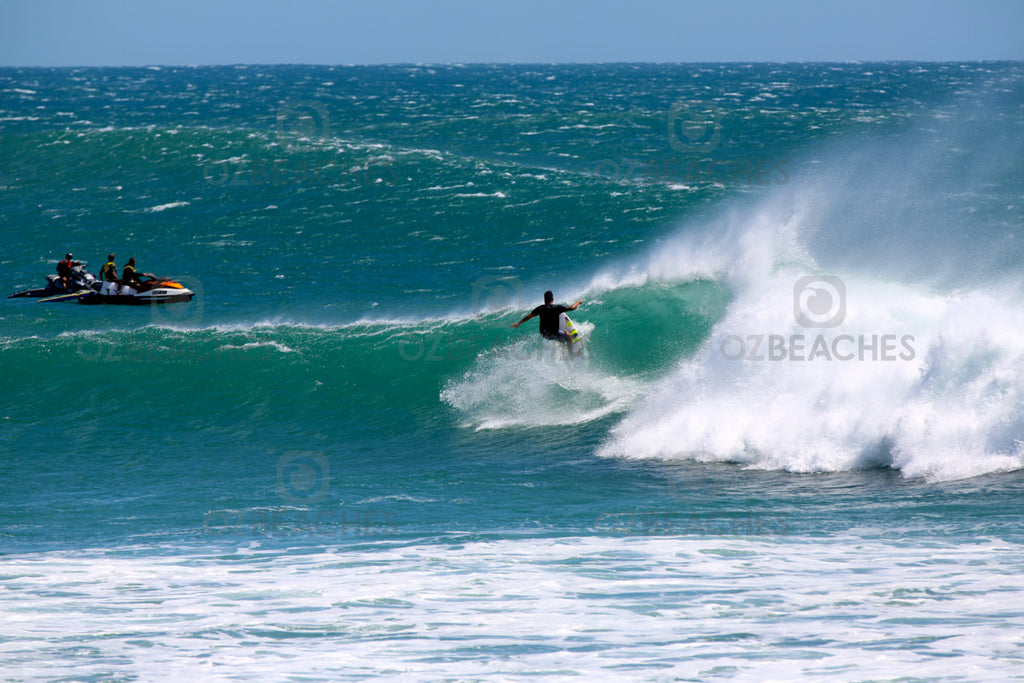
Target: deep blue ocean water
(792, 447)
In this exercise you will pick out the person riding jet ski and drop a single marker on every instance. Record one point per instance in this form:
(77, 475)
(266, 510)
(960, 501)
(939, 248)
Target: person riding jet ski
(64, 270)
(130, 278)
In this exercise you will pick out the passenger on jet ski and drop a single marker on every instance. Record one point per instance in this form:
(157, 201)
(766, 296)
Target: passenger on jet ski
(109, 277)
(129, 278)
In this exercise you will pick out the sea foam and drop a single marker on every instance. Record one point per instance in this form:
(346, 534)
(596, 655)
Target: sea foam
(922, 378)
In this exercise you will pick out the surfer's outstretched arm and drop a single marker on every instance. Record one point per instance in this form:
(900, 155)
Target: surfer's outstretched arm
(576, 305)
(523, 320)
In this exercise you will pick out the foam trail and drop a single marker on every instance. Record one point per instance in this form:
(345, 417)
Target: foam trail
(531, 384)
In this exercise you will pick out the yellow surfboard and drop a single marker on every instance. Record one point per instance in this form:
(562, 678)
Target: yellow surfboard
(566, 325)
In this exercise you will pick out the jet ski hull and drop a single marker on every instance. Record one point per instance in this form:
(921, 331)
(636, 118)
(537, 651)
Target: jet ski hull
(154, 296)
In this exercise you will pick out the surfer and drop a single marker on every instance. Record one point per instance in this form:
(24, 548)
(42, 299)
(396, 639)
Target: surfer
(548, 313)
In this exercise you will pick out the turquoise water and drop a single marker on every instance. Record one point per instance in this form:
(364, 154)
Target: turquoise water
(790, 450)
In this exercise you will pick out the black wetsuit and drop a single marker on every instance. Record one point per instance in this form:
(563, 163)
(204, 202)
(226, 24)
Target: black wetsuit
(548, 315)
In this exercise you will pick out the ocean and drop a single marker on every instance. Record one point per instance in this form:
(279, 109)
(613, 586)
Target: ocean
(792, 448)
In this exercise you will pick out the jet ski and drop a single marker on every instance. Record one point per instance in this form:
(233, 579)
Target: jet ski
(85, 288)
(151, 290)
(82, 282)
